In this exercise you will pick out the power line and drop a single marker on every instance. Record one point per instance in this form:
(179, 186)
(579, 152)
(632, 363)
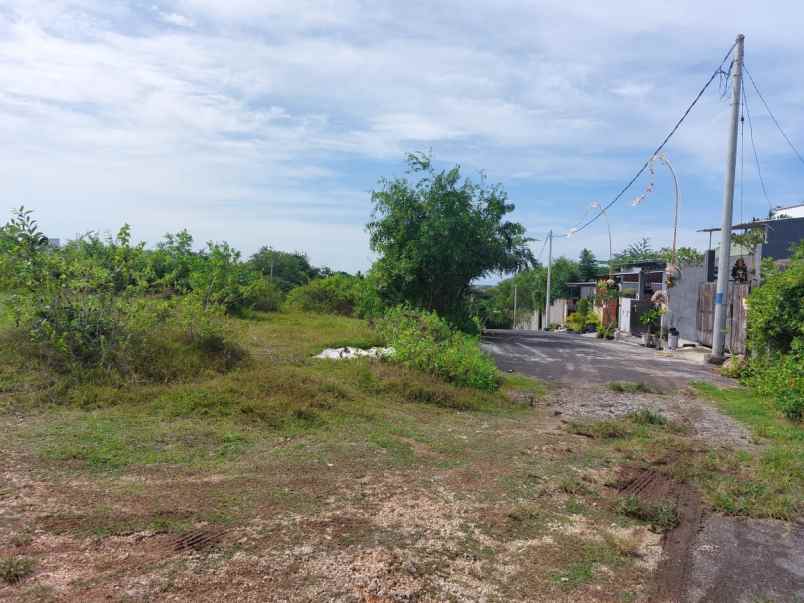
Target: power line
(773, 117)
(667, 138)
(541, 253)
(754, 147)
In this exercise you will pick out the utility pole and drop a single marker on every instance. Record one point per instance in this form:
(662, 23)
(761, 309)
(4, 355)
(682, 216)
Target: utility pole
(721, 296)
(514, 303)
(549, 277)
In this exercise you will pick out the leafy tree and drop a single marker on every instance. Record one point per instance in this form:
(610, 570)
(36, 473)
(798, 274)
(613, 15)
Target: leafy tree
(587, 266)
(531, 287)
(287, 270)
(437, 234)
(685, 256)
(639, 251)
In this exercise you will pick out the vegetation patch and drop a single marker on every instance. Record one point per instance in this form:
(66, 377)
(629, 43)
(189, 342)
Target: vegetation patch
(768, 482)
(776, 336)
(661, 515)
(632, 387)
(14, 570)
(426, 342)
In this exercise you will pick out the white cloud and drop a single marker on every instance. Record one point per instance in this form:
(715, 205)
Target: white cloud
(280, 114)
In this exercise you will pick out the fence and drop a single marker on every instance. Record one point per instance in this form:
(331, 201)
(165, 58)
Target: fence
(736, 316)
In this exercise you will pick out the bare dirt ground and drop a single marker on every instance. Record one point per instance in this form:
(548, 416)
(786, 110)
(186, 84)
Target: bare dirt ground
(495, 508)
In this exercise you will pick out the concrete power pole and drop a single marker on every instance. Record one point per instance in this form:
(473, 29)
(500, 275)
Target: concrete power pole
(514, 321)
(549, 278)
(721, 296)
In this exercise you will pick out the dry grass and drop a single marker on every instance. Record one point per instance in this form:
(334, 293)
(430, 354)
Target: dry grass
(325, 480)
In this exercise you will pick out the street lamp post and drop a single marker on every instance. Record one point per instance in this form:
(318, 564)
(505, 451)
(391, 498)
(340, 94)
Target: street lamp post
(672, 268)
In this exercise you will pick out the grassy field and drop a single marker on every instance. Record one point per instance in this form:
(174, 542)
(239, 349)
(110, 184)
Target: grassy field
(304, 479)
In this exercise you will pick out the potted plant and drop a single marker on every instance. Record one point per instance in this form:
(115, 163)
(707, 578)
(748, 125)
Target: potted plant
(650, 320)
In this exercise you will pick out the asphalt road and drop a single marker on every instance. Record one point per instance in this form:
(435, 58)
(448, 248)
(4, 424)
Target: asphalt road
(573, 359)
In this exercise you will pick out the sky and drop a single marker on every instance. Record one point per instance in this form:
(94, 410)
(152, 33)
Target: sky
(269, 123)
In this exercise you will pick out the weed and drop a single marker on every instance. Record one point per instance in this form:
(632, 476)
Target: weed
(589, 556)
(573, 486)
(626, 546)
(645, 416)
(601, 430)
(631, 387)
(661, 515)
(14, 570)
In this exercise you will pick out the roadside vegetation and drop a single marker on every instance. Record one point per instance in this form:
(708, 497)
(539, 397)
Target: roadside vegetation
(776, 337)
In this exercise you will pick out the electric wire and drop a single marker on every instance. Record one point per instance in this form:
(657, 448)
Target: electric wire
(544, 246)
(664, 142)
(773, 117)
(754, 147)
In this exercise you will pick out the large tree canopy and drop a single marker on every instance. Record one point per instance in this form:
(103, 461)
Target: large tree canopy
(288, 270)
(438, 233)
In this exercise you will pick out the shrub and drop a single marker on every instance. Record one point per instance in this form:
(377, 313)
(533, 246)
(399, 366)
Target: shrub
(15, 569)
(337, 294)
(265, 296)
(424, 341)
(581, 322)
(85, 310)
(776, 337)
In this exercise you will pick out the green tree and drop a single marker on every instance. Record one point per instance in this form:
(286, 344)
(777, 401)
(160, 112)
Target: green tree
(638, 251)
(288, 270)
(685, 256)
(587, 266)
(437, 234)
(496, 309)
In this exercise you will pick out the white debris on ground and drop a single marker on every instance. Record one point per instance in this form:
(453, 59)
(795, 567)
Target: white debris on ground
(348, 353)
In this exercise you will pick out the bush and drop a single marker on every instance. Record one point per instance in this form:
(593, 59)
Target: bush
(103, 337)
(265, 296)
(776, 337)
(424, 341)
(87, 311)
(338, 294)
(582, 320)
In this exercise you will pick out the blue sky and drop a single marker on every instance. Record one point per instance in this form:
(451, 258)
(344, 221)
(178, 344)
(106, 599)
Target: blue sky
(264, 122)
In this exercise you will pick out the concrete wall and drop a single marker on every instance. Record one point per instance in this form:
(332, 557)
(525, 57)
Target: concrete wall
(537, 320)
(684, 301)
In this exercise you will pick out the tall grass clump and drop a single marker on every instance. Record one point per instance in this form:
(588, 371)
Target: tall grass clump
(424, 341)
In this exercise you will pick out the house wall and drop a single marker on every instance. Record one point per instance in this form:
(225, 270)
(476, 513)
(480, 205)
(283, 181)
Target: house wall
(684, 301)
(537, 320)
(782, 235)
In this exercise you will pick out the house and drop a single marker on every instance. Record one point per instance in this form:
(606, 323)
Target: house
(773, 237)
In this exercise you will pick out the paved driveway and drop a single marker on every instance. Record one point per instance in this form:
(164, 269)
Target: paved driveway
(573, 359)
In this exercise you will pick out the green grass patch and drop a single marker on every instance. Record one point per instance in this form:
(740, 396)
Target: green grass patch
(768, 483)
(282, 392)
(661, 515)
(523, 383)
(587, 557)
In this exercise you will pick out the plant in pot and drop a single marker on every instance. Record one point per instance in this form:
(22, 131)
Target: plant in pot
(650, 319)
